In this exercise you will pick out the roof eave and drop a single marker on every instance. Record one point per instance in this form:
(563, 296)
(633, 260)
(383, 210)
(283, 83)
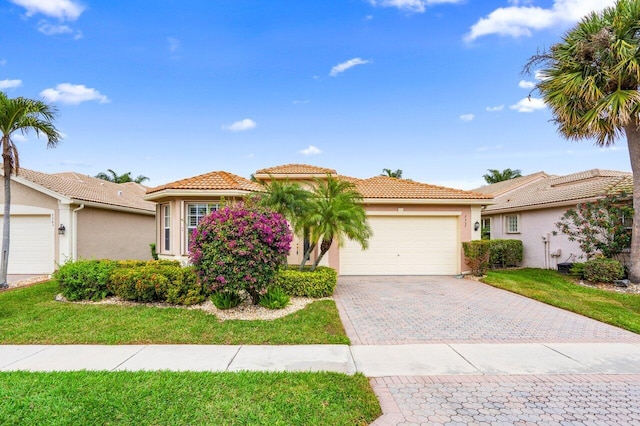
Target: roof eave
(439, 201)
(175, 193)
(540, 206)
(292, 176)
(114, 207)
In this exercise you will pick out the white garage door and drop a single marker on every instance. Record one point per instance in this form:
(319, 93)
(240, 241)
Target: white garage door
(426, 245)
(31, 249)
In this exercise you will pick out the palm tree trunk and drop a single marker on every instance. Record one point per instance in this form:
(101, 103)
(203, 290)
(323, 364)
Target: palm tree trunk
(633, 141)
(307, 255)
(324, 248)
(4, 261)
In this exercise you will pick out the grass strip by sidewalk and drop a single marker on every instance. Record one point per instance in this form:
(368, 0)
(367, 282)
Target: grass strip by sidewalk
(619, 309)
(169, 398)
(30, 315)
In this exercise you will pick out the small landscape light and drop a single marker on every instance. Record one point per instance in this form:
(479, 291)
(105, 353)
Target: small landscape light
(476, 226)
(61, 229)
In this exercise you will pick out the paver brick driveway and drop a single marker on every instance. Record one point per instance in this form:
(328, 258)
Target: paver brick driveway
(403, 310)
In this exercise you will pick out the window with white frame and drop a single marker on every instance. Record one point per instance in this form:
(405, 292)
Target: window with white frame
(512, 224)
(166, 228)
(195, 213)
(485, 230)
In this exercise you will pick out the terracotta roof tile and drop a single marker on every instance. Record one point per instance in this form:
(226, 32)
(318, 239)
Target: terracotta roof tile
(394, 188)
(560, 189)
(296, 169)
(218, 180)
(505, 186)
(86, 188)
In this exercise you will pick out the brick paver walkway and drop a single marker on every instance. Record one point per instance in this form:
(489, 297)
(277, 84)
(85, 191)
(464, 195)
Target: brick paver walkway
(509, 400)
(402, 310)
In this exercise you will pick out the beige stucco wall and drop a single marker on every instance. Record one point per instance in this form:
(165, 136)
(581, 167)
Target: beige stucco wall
(109, 234)
(534, 225)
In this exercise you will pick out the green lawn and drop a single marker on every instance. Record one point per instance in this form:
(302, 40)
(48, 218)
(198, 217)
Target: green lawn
(30, 315)
(622, 310)
(168, 398)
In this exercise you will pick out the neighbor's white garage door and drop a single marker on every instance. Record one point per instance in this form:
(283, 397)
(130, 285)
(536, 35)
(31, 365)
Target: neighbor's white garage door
(423, 245)
(31, 248)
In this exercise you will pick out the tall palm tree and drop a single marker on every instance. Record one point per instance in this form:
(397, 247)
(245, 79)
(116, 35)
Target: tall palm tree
(590, 82)
(19, 115)
(336, 213)
(395, 174)
(495, 176)
(112, 176)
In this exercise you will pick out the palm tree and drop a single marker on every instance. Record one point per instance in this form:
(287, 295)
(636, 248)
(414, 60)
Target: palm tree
(289, 199)
(116, 178)
(390, 173)
(23, 115)
(590, 82)
(495, 176)
(335, 213)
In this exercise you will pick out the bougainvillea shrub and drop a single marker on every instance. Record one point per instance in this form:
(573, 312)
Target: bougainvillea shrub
(240, 247)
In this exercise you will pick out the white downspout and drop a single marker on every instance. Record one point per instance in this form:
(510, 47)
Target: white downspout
(74, 237)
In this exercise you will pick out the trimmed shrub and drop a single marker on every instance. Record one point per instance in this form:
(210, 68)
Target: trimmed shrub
(505, 253)
(240, 248)
(184, 286)
(275, 298)
(226, 299)
(84, 279)
(476, 254)
(307, 283)
(603, 270)
(577, 270)
(145, 284)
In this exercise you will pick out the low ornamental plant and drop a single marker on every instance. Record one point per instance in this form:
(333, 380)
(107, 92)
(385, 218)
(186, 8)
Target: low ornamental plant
(226, 299)
(275, 298)
(240, 247)
(476, 254)
(602, 270)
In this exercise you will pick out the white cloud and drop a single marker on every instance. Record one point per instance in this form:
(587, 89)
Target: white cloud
(415, 6)
(529, 105)
(495, 108)
(489, 148)
(467, 117)
(306, 101)
(3, 62)
(49, 29)
(64, 10)
(346, 65)
(241, 126)
(73, 94)
(19, 137)
(311, 150)
(174, 44)
(526, 84)
(519, 21)
(10, 84)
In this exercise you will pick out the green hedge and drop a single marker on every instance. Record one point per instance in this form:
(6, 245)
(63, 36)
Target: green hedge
(137, 280)
(319, 283)
(505, 253)
(602, 270)
(85, 279)
(481, 255)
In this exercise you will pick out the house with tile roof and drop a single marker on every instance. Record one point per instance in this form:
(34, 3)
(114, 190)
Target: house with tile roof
(527, 208)
(417, 228)
(68, 216)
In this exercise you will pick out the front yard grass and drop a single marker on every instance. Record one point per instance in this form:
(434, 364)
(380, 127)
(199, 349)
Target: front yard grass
(169, 398)
(619, 309)
(30, 315)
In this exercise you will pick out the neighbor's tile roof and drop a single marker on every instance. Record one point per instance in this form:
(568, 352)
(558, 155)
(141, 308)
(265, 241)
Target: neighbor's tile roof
(500, 188)
(211, 181)
(296, 169)
(86, 188)
(394, 188)
(559, 189)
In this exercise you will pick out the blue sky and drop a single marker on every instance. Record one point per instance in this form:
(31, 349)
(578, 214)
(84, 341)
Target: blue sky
(174, 88)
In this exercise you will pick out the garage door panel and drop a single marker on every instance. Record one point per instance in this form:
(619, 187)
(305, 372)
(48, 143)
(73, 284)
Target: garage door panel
(405, 246)
(31, 249)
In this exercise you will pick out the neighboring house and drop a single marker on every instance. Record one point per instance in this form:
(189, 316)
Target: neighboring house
(62, 216)
(417, 228)
(527, 209)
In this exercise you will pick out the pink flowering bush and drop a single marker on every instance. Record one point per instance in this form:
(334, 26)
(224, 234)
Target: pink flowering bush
(240, 248)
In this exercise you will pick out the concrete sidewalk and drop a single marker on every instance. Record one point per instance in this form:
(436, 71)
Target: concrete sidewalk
(371, 360)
